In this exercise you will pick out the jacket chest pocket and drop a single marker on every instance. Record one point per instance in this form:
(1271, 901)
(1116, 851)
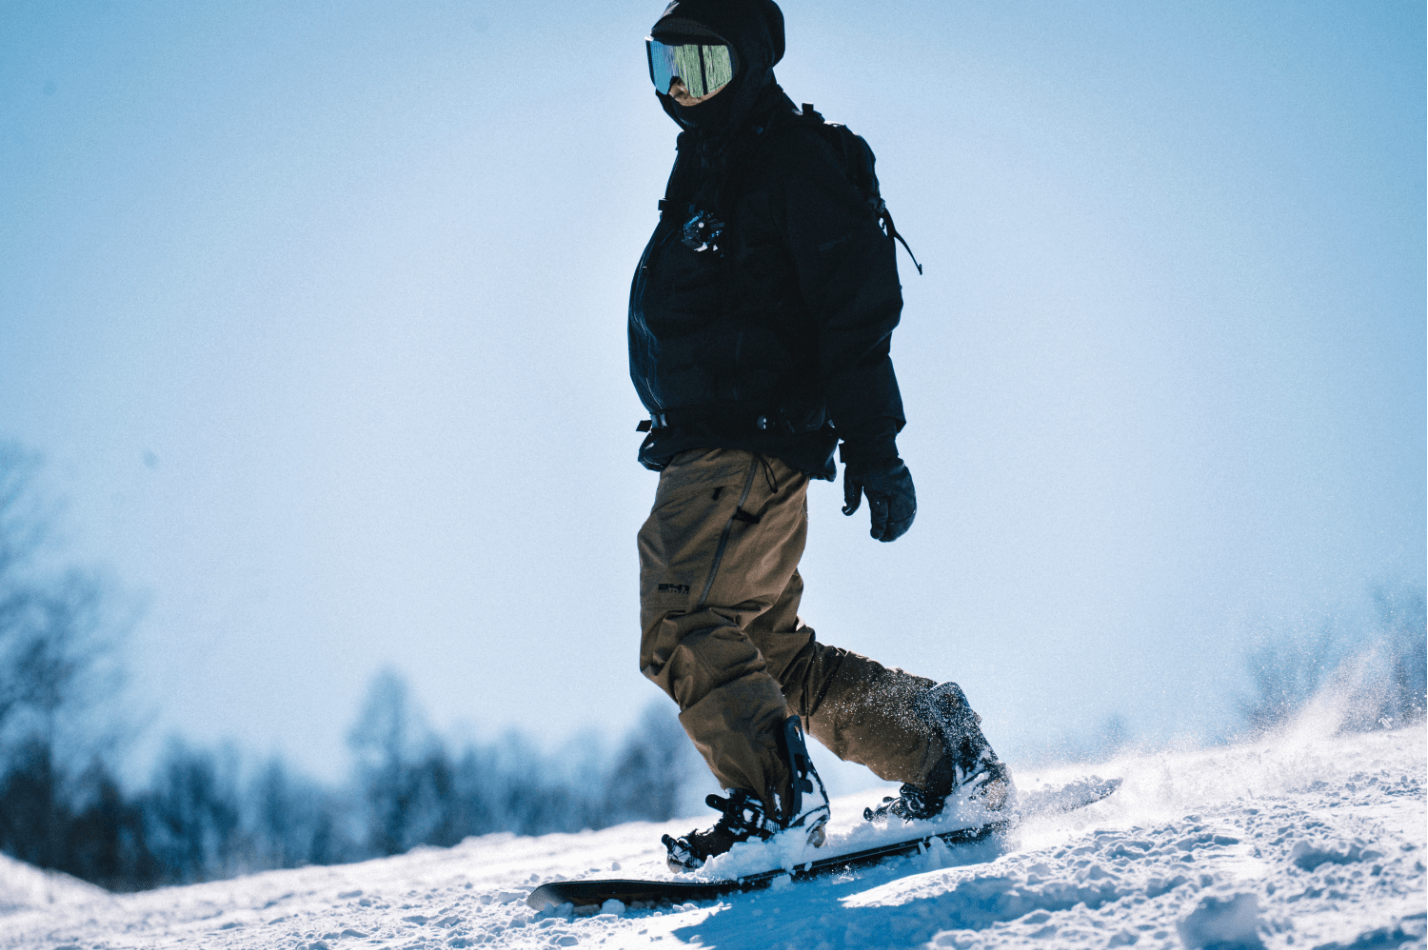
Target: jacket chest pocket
(684, 289)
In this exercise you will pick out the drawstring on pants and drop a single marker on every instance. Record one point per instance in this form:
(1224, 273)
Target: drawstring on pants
(769, 474)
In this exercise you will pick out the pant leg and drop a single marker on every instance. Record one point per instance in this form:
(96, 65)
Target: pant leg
(859, 709)
(867, 713)
(719, 596)
(716, 553)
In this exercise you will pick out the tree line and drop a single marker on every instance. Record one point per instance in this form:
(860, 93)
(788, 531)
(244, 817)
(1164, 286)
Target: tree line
(204, 816)
(207, 813)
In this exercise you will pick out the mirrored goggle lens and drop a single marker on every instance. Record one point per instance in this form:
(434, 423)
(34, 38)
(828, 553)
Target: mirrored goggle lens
(702, 67)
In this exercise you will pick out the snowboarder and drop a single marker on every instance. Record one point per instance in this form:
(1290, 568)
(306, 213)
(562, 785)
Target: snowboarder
(759, 328)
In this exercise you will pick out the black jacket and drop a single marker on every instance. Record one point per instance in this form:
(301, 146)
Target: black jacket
(764, 303)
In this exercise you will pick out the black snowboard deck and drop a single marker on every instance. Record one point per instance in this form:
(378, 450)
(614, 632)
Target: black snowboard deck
(595, 892)
(587, 893)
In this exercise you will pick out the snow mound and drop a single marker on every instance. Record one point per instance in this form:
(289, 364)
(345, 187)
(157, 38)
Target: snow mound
(1302, 839)
(23, 887)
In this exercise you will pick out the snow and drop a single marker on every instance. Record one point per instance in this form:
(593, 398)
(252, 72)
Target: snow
(26, 888)
(1302, 839)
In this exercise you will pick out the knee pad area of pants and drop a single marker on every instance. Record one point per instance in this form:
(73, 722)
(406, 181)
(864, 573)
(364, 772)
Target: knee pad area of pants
(708, 659)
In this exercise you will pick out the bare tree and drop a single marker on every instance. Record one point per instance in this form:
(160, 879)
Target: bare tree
(1403, 626)
(1374, 671)
(58, 631)
(403, 769)
(194, 815)
(107, 839)
(651, 769)
(1287, 668)
(293, 821)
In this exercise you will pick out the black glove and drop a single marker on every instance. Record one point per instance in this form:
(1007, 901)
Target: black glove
(892, 502)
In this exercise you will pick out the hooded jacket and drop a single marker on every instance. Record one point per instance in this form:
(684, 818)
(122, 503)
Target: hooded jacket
(764, 303)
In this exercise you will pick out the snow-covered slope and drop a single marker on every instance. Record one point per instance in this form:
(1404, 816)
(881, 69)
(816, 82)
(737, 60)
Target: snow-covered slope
(1299, 840)
(23, 887)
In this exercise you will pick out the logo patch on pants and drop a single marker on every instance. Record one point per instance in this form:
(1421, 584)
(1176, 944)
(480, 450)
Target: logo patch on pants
(674, 588)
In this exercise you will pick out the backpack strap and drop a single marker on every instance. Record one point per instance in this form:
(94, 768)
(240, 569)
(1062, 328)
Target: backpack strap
(856, 157)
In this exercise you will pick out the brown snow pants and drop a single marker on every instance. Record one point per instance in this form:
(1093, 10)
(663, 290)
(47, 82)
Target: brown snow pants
(719, 593)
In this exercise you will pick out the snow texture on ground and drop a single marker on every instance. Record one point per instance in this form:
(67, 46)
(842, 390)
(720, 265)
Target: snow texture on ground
(1300, 840)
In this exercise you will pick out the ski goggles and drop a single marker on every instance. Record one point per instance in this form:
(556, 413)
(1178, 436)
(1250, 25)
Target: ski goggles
(703, 67)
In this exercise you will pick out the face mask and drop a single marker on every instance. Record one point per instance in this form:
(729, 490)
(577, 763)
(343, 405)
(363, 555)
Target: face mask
(702, 67)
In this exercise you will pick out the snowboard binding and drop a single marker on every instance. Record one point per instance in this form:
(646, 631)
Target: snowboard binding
(744, 817)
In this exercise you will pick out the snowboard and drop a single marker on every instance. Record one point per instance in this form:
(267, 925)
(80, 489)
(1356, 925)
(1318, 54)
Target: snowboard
(595, 892)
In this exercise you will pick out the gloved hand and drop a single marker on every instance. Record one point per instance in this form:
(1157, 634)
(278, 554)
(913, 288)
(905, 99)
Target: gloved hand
(892, 502)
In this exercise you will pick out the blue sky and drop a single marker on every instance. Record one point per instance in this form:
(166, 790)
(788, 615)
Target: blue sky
(317, 313)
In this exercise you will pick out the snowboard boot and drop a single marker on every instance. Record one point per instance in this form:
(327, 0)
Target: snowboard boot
(968, 769)
(745, 818)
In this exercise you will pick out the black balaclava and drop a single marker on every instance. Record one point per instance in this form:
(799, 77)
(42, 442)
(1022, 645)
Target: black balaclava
(755, 29)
